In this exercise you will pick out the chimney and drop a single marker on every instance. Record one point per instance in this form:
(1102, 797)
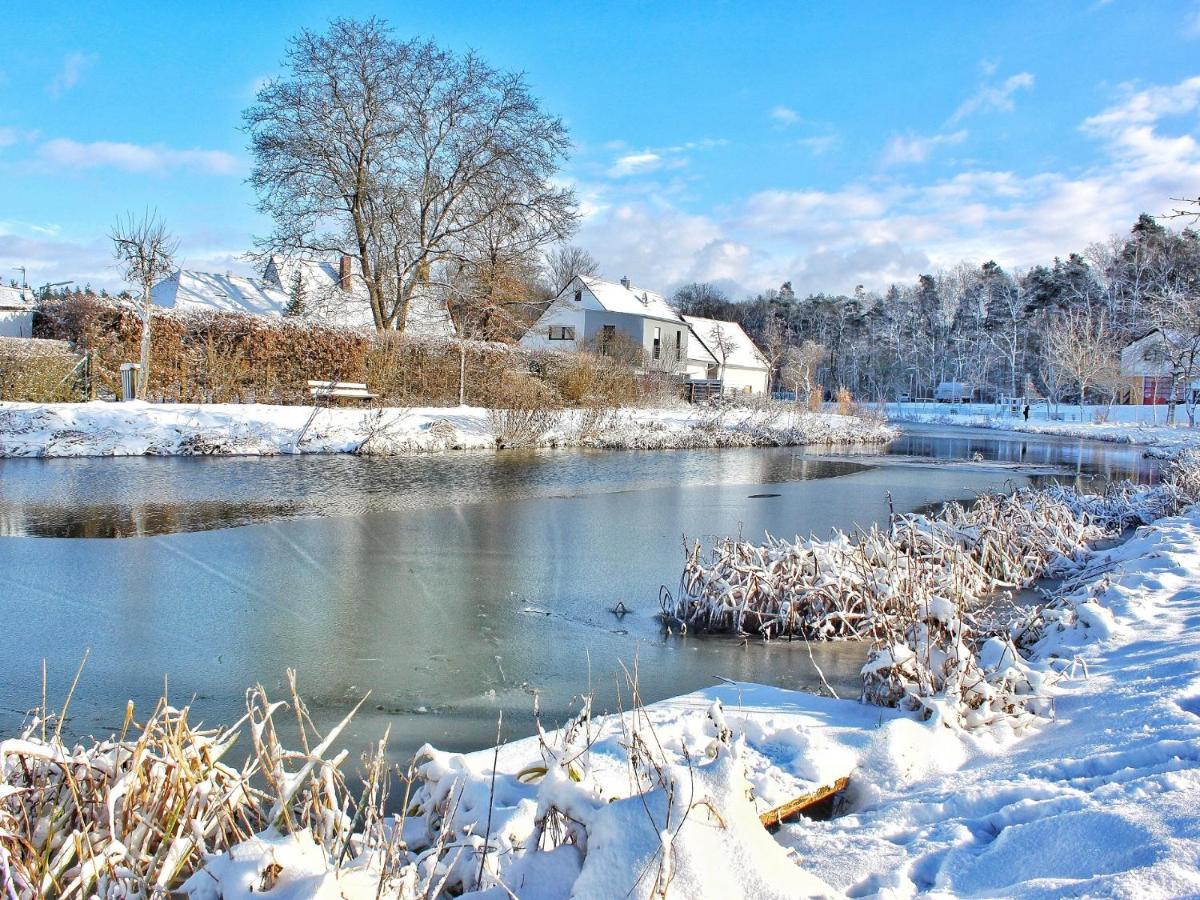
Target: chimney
(625, 281)
(344, 272)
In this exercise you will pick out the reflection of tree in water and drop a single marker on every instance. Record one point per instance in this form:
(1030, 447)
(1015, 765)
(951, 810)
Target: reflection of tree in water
(135, 520)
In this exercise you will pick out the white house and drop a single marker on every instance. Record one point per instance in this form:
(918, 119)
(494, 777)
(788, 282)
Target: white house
(723, 350)
(594, 314)
(1145, 365)
(16, 312)
(331, 294)
(591, 313)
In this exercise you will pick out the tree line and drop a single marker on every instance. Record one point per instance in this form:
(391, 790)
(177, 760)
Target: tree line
(1054, 330)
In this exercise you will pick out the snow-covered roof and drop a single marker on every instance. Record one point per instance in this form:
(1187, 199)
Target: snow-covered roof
(326, 299)
(229, 293)
(616, 297)
(15, 298)
(741, 350)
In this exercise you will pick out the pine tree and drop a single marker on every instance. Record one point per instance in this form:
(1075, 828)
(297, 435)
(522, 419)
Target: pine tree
(295, 307)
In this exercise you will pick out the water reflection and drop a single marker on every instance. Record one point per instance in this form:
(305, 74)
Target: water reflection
(140, 496)
(449, 587)
(1109, 461)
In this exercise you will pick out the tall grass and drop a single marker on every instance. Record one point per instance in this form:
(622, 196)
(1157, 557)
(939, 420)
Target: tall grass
(136, 814)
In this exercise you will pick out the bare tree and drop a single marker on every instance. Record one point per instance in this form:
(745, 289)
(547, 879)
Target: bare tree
(800, 366)
(564, 263)
(145, 253)
(1082, 347)
(722, 346)
(774, 344)
(397, 153)
(700, 299)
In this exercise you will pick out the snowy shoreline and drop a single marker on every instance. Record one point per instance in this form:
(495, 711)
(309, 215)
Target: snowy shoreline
(168, 429)
(1137, 425)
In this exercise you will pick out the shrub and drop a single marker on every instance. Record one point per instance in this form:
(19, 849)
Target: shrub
(223, 357)
(845, 402)
(39, 371)
(530, 412)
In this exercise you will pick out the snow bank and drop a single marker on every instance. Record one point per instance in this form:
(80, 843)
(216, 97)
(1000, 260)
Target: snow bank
(137, 429)
(1101, 802)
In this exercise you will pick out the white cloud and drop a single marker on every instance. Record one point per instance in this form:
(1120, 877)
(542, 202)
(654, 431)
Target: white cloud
(784, 115)
(1146, 106)
(73, 66)
(1191, 26)
(635, 163)
(913, 148)
(818, 144)
(10, 136)
(136, 158)
(997, 97)
(893, 227)
(49, 255)
(652, 159)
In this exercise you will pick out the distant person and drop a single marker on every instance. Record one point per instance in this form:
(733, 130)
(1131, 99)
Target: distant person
(1026, 412)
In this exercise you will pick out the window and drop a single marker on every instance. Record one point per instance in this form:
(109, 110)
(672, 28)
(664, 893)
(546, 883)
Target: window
(657, 343)
(607, 333)
(562, 332)
(578, 296)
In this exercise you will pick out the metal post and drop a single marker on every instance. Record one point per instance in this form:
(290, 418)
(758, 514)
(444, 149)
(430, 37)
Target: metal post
(130, 373)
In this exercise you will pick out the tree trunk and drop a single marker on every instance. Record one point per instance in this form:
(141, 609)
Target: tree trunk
(144, 356)
(462, 373)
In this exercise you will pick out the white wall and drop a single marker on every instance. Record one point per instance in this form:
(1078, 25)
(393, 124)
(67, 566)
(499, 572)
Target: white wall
(16, 323)
(561, 313)
(738, 380)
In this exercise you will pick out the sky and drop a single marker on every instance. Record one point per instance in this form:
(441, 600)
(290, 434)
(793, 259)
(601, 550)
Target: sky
(746, 144)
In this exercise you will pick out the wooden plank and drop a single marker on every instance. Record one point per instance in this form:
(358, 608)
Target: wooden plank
(774, 817)
(347, 385)
(339, 392)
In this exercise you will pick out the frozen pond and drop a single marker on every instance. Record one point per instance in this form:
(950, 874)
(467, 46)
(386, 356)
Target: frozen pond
(451, 587)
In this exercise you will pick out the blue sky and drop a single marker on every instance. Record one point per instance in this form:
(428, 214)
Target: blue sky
(748, 144)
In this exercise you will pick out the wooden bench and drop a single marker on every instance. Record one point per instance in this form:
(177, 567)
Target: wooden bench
(349, 390)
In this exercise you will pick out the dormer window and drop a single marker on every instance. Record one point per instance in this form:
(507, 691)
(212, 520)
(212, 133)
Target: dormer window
(578, 296)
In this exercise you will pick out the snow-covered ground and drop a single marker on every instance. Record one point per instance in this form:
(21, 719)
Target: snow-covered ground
(136, 429)
(1144, 425)
(1103, 799)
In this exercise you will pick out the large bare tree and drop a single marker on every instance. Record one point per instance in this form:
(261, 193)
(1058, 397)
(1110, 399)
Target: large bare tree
(145, 253)
(1082, 347)
(397, 153)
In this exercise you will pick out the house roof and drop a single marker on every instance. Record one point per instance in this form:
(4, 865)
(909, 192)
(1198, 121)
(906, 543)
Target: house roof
(187, 289)
(742, 352)
(321, 279)
(15, 298)
(616, 297)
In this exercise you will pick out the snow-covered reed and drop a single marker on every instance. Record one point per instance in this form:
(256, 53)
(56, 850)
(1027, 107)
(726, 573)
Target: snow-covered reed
(919, 589)
(852, 586)
(160, 810)
(133, 815)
